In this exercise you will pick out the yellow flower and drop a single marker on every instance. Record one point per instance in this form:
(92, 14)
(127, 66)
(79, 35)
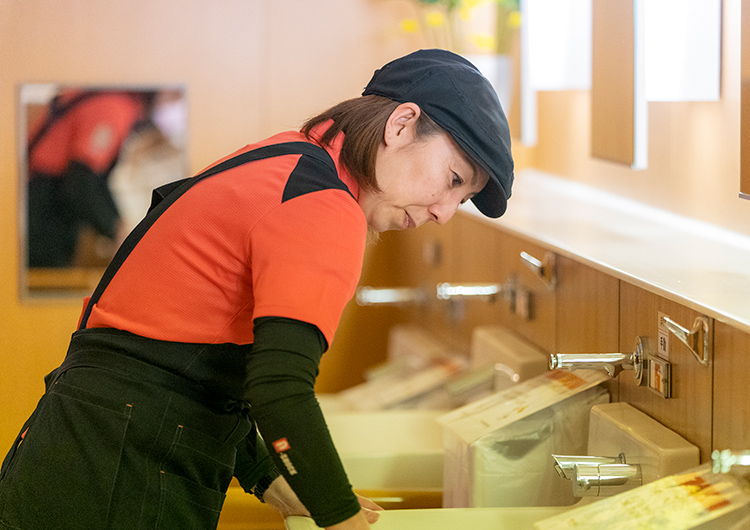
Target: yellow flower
(409, 25)
(514, 19)
(435, 19)
(484, 41)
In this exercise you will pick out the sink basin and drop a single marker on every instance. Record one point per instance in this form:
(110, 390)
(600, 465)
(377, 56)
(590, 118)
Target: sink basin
(449, 519)
(390, 450)
(331, 404)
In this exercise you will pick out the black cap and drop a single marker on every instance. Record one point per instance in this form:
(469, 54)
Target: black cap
(452, 91)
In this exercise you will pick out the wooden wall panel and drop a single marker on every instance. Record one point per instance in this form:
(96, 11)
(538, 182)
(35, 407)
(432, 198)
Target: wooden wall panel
(540, 328)
(745, 139)
(485, 254)
(612, 84)
(689, 412)
(479, 260)
(361, 339)
(731, 390)
(474, 251)
(425, 257)
(588, 312)
(745, 102)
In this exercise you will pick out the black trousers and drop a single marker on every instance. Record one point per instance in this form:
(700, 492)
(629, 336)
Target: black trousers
(118, 443)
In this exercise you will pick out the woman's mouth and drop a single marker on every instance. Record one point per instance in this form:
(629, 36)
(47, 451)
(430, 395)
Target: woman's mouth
(408, 222)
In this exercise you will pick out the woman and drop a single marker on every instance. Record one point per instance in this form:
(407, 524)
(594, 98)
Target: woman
(72, 152)
(212, 318)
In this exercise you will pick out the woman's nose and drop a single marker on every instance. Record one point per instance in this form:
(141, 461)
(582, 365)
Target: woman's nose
(441, 213)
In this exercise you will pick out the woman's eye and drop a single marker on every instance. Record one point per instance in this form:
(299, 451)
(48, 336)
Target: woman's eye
(467, 198)
(457, 180)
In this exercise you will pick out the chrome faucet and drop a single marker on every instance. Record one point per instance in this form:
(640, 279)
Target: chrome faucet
(597, 476)
(726, 460)
(367, 296)
(612, 363)
(447, 291)
(565, 465)
(390, 296)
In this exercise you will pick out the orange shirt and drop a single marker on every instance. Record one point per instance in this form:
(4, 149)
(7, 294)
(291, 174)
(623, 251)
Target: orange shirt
(91, 133)
(238, 246)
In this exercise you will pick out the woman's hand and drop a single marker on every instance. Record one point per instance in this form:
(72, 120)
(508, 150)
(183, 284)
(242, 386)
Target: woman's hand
(364, 518)
(356, 522)
(281, 496)
(370, 509)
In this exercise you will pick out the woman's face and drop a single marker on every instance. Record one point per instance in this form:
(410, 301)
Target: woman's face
(420, 180)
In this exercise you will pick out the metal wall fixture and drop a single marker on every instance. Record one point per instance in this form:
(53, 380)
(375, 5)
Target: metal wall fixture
(367, 296)
(488, 291)
(648, 370)
(390, 296)
(692, 338)
(612, 363)
(544, 270)
(565, 465)
(597, 476)
(727, 461)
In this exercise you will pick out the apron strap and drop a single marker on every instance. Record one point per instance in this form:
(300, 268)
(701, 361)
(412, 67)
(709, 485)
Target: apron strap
(164, 196)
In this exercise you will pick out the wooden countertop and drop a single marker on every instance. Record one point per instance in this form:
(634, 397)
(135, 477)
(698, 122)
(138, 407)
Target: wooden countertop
(702, 266)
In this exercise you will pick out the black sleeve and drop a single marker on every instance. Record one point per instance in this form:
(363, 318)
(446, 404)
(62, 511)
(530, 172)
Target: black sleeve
(89, 199)
(253, 467)
(280, 383)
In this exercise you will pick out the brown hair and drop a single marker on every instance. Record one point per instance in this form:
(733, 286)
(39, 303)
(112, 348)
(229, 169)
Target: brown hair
(362, 120)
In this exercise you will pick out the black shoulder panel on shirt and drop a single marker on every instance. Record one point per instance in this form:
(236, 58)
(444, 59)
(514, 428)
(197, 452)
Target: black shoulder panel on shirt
(311, 175)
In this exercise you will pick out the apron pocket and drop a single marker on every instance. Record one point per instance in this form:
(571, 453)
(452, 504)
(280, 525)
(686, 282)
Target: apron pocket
(200, 458)
(63, 472)
(194, 477)
(185, 504)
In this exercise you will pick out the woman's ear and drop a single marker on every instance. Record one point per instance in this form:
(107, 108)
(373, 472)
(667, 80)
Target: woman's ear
(402, 123)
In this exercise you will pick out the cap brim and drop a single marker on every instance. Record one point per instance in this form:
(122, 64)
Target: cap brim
(491, 201)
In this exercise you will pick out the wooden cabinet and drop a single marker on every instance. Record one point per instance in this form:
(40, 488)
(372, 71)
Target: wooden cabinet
(486, 255)
(423, 258)
(587, 312)
(689, 411)
(731, 423)
(469, 250)
(532, 312)
(587, 309)
(479, 259)
(361, 339)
